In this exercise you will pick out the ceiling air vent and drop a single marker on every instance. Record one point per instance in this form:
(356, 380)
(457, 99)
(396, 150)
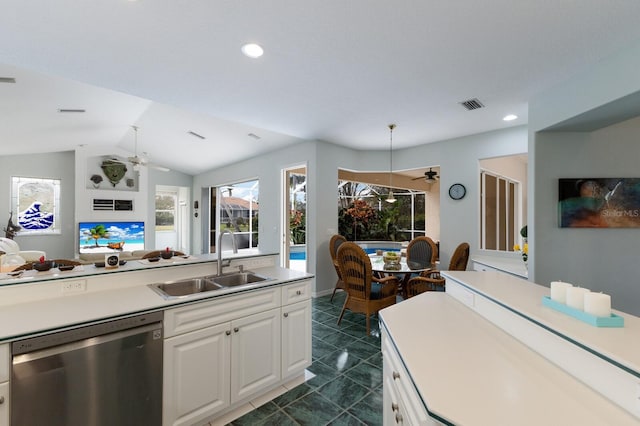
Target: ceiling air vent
(7, 80)
(196, 135)
(472, 104)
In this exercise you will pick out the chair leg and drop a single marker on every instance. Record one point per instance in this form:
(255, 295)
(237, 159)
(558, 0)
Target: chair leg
(334, 291)
(333, 294)
(343, 309)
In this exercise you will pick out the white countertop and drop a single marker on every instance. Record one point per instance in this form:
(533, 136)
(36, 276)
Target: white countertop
(621, 345)
(511, 265)
(116, 293)
(470, 372)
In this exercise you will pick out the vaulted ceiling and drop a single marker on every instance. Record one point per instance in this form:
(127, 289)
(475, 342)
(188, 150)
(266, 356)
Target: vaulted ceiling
(337, 71)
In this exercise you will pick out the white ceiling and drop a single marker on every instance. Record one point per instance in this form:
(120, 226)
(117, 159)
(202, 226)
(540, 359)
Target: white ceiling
(333, 70)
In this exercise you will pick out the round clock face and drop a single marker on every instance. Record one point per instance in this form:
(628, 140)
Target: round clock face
(112, 260)
(457, 191)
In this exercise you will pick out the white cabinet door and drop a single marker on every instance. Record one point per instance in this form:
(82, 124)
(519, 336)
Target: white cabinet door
(4, 404)
(255, 353)
(196, 375)
(296, 337)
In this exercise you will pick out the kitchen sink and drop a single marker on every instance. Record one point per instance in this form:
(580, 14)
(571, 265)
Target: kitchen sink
(237, 278)
(185, 287)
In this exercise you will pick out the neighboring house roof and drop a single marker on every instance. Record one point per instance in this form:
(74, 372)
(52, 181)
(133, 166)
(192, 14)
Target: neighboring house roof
(237, 203)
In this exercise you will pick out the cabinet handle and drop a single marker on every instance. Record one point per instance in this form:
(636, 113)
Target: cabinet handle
(2, 399)
(394, 406)
(398, 418)
(298, 292)
(396, 375)
(228, 332)
(286, 314)
(236, 329)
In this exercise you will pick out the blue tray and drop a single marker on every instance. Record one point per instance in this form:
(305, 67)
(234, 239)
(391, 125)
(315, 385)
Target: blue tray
(610, 321)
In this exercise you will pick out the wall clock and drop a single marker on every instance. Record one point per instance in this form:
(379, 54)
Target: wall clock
(457, 191)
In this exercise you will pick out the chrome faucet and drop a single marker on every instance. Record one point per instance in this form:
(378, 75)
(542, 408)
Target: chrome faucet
(219, 248)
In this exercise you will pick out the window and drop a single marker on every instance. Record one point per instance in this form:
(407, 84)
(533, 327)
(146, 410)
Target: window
(364, 215)
(166, 211)
(36, 203)
(236, 209)
(500, 212)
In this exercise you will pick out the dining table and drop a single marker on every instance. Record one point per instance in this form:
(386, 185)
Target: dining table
(405, 269)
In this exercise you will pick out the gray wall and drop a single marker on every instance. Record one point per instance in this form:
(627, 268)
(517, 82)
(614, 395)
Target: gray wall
(592, 136)
(56, 165)
(458, 159)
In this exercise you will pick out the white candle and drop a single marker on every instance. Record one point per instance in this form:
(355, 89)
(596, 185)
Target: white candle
(575, 297)
(598, 304)
(559, 291)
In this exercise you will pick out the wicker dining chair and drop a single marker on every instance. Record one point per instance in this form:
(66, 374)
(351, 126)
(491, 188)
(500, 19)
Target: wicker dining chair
(334, 243)
(433, 280)
(422, 252)
(366, 294)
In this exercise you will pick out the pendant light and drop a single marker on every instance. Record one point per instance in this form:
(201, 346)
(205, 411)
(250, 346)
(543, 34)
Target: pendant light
(390, 197)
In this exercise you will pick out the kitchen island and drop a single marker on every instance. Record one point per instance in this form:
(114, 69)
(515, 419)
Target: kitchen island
(265, 325)
(488, 352)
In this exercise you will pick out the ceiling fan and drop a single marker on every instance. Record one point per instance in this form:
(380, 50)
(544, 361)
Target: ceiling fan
(138, 161)
(429, 176)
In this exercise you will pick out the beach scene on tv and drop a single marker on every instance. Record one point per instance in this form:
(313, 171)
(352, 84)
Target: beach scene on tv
(108, 237)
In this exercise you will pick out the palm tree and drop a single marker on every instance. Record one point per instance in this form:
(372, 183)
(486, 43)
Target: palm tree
(97, 232)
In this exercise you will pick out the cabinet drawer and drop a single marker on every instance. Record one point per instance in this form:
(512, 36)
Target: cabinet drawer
(410, 409)
(5, 361)
(296, 292)
(193, 317)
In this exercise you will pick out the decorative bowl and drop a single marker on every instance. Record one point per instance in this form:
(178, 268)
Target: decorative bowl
(166, 254)
(391, 256)
(153, 259)
(66, 267)
(43, 266)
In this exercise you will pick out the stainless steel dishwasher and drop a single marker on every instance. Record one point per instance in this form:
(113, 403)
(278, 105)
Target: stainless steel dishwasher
(109, 373)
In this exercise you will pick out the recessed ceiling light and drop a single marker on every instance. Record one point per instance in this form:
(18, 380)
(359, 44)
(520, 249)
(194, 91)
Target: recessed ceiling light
(510, 117)
(252, 50)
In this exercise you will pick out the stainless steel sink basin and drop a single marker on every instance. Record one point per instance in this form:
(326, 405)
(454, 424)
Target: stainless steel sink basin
(238, 278)
(185, 287)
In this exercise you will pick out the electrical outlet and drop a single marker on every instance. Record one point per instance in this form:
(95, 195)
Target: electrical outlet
(74, 286)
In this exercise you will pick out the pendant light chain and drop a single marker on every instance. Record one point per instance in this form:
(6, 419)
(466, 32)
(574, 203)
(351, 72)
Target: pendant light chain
(390, 197)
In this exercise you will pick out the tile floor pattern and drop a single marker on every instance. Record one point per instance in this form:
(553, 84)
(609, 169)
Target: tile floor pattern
(347, 387)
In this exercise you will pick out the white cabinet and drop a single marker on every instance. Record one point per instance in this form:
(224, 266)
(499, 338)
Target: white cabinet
(196, 375)
(222, 352)
(255, 353)
(296, 328)
(296, 337)
(5, 363)
(219, 352)
(402, 404)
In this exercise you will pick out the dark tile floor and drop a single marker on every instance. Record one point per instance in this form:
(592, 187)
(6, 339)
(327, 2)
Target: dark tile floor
(347, 387)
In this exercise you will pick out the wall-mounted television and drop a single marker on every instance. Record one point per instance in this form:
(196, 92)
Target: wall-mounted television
(107, 237)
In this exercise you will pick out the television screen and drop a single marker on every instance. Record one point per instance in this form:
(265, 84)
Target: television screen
(107, 237)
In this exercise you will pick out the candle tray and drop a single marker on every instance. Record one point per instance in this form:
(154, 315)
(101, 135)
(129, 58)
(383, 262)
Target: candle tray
(611, 321)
